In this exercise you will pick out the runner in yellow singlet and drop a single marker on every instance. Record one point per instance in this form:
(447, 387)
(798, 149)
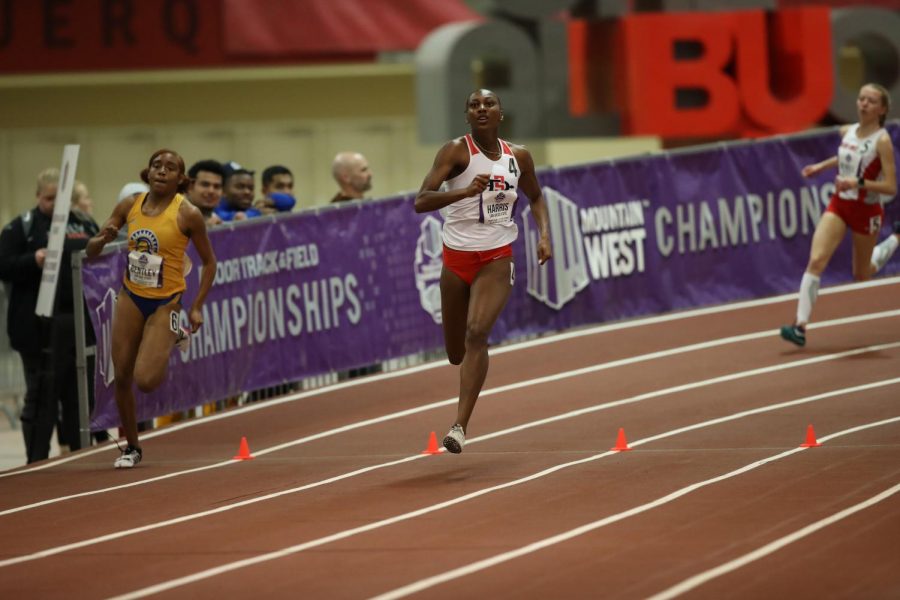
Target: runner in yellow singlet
(146, 322)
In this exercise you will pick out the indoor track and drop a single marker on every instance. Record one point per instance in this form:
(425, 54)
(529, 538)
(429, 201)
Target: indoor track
(715, 499)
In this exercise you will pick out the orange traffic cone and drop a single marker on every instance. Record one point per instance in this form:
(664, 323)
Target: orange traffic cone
(810, 438)
(244, 451)
(432, 445)
(621, 444)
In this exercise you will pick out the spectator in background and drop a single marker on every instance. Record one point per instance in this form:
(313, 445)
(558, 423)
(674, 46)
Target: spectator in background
(80, 228)
(278, 190)
(237, 201)
(130, 191)
(205, 189)
(46, 346)
(63, 344)
(81, 199)
(352, 174)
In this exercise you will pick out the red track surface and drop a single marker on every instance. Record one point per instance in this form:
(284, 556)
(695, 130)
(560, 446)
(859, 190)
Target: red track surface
(493, 522)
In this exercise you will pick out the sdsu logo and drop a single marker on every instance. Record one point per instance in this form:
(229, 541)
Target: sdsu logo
(145, 240)
(498, 183)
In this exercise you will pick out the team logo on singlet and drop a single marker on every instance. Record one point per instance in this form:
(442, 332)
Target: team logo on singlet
(427, 266)
(145, 241)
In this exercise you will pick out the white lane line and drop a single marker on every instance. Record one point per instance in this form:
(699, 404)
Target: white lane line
(733, 565)
(688, 314)
(243, 503)
(548, 339)
(213, 572)
(515, 386)
(737, 563)
(493, 561)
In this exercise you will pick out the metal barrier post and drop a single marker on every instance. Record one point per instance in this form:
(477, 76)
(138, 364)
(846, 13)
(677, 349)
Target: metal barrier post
(81, 352)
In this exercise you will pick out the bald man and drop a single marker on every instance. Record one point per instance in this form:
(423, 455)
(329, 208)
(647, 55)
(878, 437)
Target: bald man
(351, 172)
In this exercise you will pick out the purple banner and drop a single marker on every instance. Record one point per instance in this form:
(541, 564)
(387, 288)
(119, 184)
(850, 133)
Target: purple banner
(349, 286)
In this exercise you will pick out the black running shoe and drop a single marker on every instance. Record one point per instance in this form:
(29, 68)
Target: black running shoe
(795, 334)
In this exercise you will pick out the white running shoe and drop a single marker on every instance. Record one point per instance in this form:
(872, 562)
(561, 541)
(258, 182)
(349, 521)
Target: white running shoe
(455, 439)
(883, 252)
(183, 339)
(131, 456)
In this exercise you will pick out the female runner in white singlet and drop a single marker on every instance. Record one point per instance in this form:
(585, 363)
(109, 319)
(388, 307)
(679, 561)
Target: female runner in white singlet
(866, 176)
(483, 175)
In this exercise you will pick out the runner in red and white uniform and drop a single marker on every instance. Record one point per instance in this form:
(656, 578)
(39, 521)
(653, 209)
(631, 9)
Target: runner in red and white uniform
(866, 178)
(483, 176)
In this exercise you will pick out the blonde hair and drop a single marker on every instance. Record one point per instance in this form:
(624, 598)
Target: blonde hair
(47, 177)
(79, 190)
(885, 100)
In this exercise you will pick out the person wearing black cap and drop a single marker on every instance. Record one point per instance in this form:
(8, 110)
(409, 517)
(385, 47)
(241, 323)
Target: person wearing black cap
(237, 187)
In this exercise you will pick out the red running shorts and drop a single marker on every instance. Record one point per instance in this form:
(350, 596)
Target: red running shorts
(467, 264)
(860, 217)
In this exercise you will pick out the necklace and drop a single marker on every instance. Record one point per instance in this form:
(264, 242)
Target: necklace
(498, 151)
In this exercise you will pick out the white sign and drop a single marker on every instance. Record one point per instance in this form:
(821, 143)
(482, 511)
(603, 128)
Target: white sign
(57, 236)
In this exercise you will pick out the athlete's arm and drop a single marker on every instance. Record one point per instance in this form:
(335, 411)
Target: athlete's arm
(192, 224)
(528, 183)
(451, 160)
(828, 163)
(810, 170)
(110, 229)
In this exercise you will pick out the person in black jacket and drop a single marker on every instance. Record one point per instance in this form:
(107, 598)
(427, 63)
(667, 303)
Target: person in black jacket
(47, 347)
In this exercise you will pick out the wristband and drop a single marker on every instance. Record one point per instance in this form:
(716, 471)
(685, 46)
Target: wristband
(861, 183)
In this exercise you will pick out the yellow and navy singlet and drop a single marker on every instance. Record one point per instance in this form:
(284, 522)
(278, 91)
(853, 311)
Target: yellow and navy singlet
(155, 251)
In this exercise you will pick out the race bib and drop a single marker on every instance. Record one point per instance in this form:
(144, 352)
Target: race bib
(145, 270)
(498, 199)
(497, 207)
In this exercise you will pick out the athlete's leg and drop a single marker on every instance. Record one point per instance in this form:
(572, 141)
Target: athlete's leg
(827, 237)
(862, 256)
(454, 308)
(127, 329)
(885, 250)
(159, 339)
(489, 293)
